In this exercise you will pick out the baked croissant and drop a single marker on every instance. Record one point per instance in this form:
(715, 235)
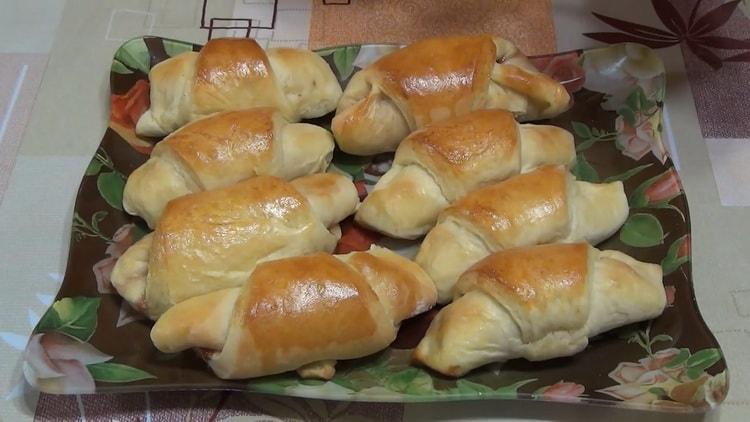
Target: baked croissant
(300, 313)
(437, 78)
(537, 303)
(443, 162)
(212, 240)
(543, 206)
(221, 150)
(234, 74)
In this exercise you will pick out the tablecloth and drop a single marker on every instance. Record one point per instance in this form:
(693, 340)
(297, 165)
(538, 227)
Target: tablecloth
(54, 60)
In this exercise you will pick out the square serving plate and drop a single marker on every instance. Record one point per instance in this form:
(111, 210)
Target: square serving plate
(90, 341)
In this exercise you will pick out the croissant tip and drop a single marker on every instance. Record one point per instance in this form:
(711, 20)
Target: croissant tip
(417, 357)
(453, 371)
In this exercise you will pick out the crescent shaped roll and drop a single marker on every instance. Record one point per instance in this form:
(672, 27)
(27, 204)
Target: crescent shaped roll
(212, 240)
(543, 206)
(435, 79)
(300, 313)
(445, 161)
(537, 303)
(235, 74)
(221, 150)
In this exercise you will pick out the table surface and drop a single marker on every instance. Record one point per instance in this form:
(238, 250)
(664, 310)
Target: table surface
(54, 63)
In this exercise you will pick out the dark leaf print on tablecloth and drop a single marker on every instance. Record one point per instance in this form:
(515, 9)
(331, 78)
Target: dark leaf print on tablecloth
(695, 33)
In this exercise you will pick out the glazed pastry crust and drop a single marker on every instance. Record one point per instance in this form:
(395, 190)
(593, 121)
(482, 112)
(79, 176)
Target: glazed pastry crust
(221, 150)
(445, 161)
(235, 74)
(537, 303)
(542, 206)
(435, 79)
(300, 313)
(212, 240)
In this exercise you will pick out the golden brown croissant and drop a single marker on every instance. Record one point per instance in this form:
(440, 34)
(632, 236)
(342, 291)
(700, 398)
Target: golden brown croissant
(234, 74)
(441, 163)
(300, 313)
(221, 150)
(537, 303)
(437, 78)
(212, 240)
(542, 206)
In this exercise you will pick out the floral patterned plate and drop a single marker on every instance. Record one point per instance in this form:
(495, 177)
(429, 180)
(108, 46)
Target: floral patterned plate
(91, 341)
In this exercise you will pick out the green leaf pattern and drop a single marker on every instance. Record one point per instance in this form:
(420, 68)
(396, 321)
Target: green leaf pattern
(678, 360)
(82, 228)
(94, 167)
(642, 231)
(587, 136)
(343, 58)
(464, 386)
(672, 261)
(72, 316)
(584, 171)
(174, 48)
(626, 174)
(111, 186)
(658, 391)
(413, 381)
(581, 130)
(118, 67)
(351, 165)
(111, 183)
(116, 372)
(511, 391)
(386, 372)
(700, 361)
(133, 55)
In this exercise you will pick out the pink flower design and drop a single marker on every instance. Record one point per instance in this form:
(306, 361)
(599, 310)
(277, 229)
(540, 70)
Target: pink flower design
(670, 292)
(355, 238)
(650, 381)
(660, 380)
(685, 247)
(691, 392)
(127, 314)
(637, 140)
(635, 379)
(123, 238)
(561, 391)
(717, 388)
(361, 189)
(634, 392)
(616, 70)
(666, 187)
(126, 109)
(659, 359)
(380, 165)
(102, 272)
(563, 68)
(57, 363)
